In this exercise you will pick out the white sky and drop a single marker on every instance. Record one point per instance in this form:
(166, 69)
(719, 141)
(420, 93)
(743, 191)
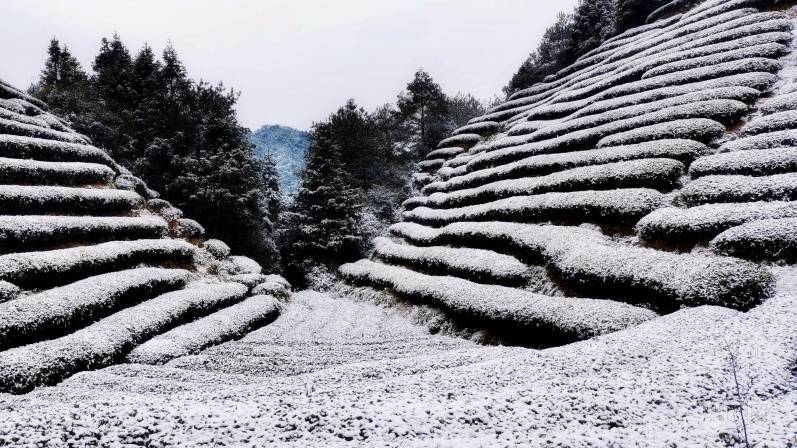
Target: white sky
(294, 61)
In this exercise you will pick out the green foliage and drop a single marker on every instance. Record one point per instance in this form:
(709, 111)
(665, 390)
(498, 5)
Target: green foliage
(631, 13)
(591, 23)
(424, 107)
(182, 137)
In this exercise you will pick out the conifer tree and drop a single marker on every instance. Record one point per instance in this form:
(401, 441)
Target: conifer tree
(321, 226)
(424, 107)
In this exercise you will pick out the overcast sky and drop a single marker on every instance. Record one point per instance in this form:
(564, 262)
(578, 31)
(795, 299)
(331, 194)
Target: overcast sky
(294, 61)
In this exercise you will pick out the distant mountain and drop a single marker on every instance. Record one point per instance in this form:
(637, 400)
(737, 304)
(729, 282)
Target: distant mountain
(288, 146)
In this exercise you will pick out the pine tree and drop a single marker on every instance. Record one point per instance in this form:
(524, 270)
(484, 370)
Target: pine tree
(631, 13)
(321, 226)
(462, 107)
(272, 199)
(113, 73)
(424, 106)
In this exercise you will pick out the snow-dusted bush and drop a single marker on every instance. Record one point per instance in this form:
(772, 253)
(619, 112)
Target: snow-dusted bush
(772, 239)
(757, 81)
(761, 162)
(188, 228)
(32, 232)
(445, 153)
(557, 317)
(229, 323)
(699, 129)
(9, 92)
(748, 65)
(682, 150)
(127, 181)
(771, 51)
(660, 174)
(430, 165)
(762, 141)
(164, 209)
(678, 225)
(780, 103)
(621, 206)
(52, 267)
(238, 264)
(274, 285)
(109, 340)
(476, 264)
(588, 260)
(695, 104)
(51, 150)
(735, 188)
(481, 128)
(528, 127)
(34, 172)
(777, 121)
(463, 140)
(650, 274)
(421, 179)
(250, 280)
(18, 199)
(8, 291)
(57, 311)
(719, 110)
(28, 130)
(219, 249)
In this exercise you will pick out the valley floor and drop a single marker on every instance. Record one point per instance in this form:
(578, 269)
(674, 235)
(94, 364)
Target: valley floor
(333, 371)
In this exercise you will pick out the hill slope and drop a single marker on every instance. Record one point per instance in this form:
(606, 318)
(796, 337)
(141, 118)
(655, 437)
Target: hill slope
(632, 219)
(288, 147)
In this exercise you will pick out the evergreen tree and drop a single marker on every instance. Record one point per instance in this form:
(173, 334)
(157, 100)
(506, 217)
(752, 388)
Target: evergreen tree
(272, 199)
(591, 23)
(424, 106)
(461, 108)
(321, 226)
(62, 83)
(113, 67)
(631, 13)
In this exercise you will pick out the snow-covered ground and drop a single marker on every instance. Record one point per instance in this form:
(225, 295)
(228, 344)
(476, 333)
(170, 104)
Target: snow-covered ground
(331, 370)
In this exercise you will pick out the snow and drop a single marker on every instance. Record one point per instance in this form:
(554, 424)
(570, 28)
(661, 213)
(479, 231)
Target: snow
(476, 264)
(108, 339)
(689, 102)
(274, 285)
(430, 165)
(481, 128)
(229, 323)
(612, 206)
(701, 129)
(238, 264)
(38, 231)
(27, 130)
(736, 188)
(17, 171)
(47, 267)
(770, 239)
(589, 261)
(762, 141)
(772, 51)
(8, 291)
(51, 150)
(777, 121)
(780, 103)
(465, 140)
(219, 249)
(660, 174)
(706, 221)
(59, 310)
(188, 228)
(760, 162)
(444, 153)
(569, 318)
(20, 199)
(682, 150)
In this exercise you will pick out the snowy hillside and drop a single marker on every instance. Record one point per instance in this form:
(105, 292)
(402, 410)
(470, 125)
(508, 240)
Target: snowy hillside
(605, 259)
(288, 147)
